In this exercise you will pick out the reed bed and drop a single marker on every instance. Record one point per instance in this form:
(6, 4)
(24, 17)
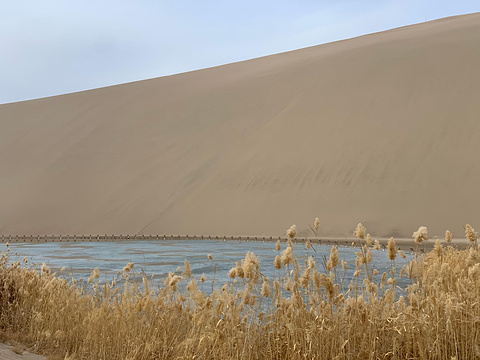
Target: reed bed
(308, 310)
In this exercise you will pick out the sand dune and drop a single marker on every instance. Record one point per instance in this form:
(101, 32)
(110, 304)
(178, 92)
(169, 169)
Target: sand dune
(382, 129)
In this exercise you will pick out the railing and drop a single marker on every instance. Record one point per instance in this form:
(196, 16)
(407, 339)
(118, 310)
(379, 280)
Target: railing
(58, 238)
(99, 238)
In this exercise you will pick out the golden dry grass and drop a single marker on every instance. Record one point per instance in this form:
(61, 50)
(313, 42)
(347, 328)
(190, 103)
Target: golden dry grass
(307, 311)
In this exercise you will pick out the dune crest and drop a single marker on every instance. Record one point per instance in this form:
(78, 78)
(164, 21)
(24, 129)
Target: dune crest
(382, 129)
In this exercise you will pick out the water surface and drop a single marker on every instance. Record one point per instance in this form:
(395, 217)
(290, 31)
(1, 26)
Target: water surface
(159, 257)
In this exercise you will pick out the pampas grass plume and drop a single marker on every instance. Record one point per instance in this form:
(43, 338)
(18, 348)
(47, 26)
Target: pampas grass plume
(292, 231)
(289, 243)
(392, 251)
(128, 267)
(94, 275)
(239, 270)
(368, 240)
(287, 256)
(369, 255)
(232, 273)
(470, 233)
(438, 248)
(359, 231)
(333, 260)
(277, 263)
(420, 235)
(266, 291)
(448, 236)
(251, 266)
(187, 269)
(45, 269)
(192, 286)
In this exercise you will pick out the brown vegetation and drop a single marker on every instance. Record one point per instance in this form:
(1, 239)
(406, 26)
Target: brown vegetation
(307, 311)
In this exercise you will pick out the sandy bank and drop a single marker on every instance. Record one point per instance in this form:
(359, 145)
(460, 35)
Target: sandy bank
(9, 352)
(381, 129)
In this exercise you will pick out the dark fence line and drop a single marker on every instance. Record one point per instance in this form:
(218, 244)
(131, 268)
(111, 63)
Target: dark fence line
(407, 243)
(131, 237)
(53, 238)
(99, 238)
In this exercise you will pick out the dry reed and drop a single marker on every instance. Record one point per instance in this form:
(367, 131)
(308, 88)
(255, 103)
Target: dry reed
(304, 312)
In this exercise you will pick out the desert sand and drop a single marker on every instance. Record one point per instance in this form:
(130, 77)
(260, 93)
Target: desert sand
(8, 352)
(382, 129)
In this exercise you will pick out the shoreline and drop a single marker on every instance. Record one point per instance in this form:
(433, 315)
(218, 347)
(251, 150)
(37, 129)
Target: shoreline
(404, 244)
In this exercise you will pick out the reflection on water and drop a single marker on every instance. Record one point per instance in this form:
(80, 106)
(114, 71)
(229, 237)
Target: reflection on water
(159, 257)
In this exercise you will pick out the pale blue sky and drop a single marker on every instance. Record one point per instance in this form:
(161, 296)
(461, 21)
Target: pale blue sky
(52, 47)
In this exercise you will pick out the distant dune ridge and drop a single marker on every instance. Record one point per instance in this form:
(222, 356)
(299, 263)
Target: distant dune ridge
(382, 129)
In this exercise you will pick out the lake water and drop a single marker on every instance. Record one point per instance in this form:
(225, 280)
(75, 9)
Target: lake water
(159, 257)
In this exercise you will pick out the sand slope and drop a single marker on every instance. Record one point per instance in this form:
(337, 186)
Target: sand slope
(382, 129)
(8, 352)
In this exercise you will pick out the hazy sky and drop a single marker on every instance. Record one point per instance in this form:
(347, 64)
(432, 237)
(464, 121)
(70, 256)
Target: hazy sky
(52, 47)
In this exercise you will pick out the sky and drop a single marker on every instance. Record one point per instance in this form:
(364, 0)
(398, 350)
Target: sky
(53, 47)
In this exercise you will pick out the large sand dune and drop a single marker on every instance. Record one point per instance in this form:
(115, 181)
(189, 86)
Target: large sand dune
(382, 129)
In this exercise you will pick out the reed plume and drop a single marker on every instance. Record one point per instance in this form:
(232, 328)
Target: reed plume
(187, 269)
(368, 240)
(470, 233)
(333, 259)
(420, 235)
(292, 231)
(392, 251)
(448, 236)
(278, 245)
(277, 262)
(128, 267)
(359, 232)
(287, 256)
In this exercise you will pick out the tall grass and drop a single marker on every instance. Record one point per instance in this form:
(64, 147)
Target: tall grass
(308, 310)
